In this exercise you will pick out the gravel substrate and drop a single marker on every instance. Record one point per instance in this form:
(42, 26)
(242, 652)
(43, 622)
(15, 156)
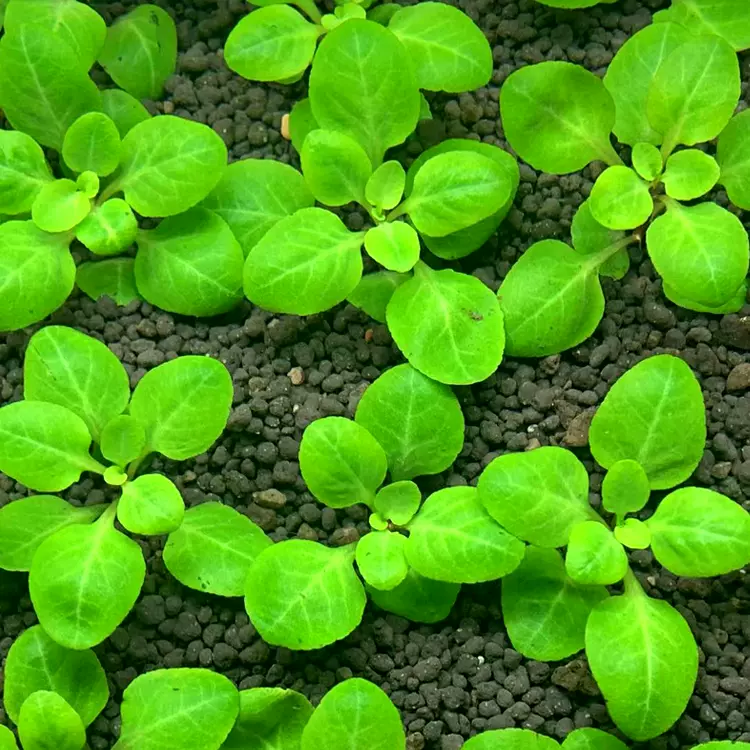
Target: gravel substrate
(458, 677)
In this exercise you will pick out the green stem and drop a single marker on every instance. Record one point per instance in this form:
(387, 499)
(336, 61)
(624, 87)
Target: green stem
(633, 589)
(111, 189)
(609, 156)
(400, 210)
(598, 259)
(108, 517)
(133, 466)
(669, 145)
(309, 7)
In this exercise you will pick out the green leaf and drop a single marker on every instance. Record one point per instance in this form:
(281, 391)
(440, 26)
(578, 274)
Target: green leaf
(43, 86)
(150, 505)
(700, 251)
(213, 549)
(694, 92)
(453, 539)
(629, 77)
(114, 476)
(448, 325)
(88, 184)
(92, 143)
(510, 739)
(383, 13)
(551, 299)
(301, 123)
(123, 109)
(122, 440)
(271, 44)
(84, 580)
(538, 496)
(255, 194)
(270, 718)
(183, 405)
(44, 446)
(112, 278)
(302, 595)
(447, 49)
(418, 599)
(374, 292)
(23, 172)
(37, 273)
(48, 722)
(592, 739)
(7, 738)
(394, 245)
(59, 206)
(35, 662)
(545, 612)
(690, 174)
(140, 51)
(109, 229)
(398, 502)
(454, 190)
(171, 708)
(381, 560)
(654, 415)
(169, 164)
(625, 488)
(362, 85)
(341, 462)
(418, 422)
(620, 199)
(68, 21)
(594, 557)
(354, 715)
(647, 160)
(733, 156)
(26, 523)
(589, 237)
(386, 185)
(190, 264)
(633, 533)
(699, 533)
(725, 18)
(305, 264)
(644, 659)
(558, 117)
(336, 167)
(68, 368)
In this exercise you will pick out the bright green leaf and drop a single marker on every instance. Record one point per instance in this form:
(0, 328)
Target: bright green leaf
(689, 174)
(725, 18)
(112, 278)
(558, 116)
(620, 199)
(213, 549)
(48, 722)
(510, 739)
(92, 143)
(123, 109)
(23, 172)
(589, 237)
(633, 534)
(733, 156)
(88, 184)
(394, 245)
(594, 557)
(108, 229)
(374, 292)
(538, 496)
(150, 505)
(448, 325)
(301, 123)
(140, 51)
(302, 595)
(625, 488)
(588, 738)
(183, 405)
(341, 462)
(122, 440)
(386, 185)
(398, 502)
(114, 476)
(381, 560)
(59, 206)
(418, 599)
(647, 161)
(7, 738)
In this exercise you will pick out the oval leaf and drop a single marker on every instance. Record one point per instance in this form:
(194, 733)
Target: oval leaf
(92, 143)
(108, 229)
(381, 560)
(633, 533)
(726, 18)
(59, 206)
(594, 557)
(394, 245)
(123, 440)
(689, 174)
(510, 739)
(23, 172)
(733, 156)
(386, 185)
(625, 488)
(620, 199)
(398, 502)
(48, 721)
(647, 160)
(150, 505)
(123, 109)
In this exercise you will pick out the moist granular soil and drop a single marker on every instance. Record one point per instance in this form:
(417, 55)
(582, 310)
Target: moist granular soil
(460, 676)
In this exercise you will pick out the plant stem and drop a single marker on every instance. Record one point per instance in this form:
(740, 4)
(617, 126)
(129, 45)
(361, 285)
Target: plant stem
(108, 192)
(609, 156)
(598, 259)
(108, 517)
(400, 210)
(633, 589)
(309, 7)
(133, 466)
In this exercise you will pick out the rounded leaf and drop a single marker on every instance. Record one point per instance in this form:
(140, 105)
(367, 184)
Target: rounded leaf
(418, 422)
(83, 582)
(68, 368)
(213, 549)
(398, 502)
(36, 662)
(538, 496)
(59, 206)
(23, 172)
(447, 49)
(700, 533)
(510, 739)
(301, 123)
(108, 229)
(588, 738)
(341, 462)
(169, 164)
(625, 488)
(594, 557)
(48, 721)
(190, 264)
(448, 325)
(7, 739)
(647, 160)
(557, 116)
(123, 109)
(633, 533)
(150, 505)
(122, 440)
(112, 278)
(88, 184)
(374, 292)
(271, 44)
(620, 199)
(386, 185)
(92, 143)
(726, 18)
(302, 595)
(733, 156)
(381, 560)
(305, 264)
(454, 539)
(654, 415)
(418, 599)
(394, 245)
(159, 710)
(689, 174)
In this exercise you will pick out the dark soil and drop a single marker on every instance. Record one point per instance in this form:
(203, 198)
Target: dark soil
(459, 677)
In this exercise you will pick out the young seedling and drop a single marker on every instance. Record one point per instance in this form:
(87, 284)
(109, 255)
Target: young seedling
(666, 88)
(84, 574)
(649, 434)
(448, 324)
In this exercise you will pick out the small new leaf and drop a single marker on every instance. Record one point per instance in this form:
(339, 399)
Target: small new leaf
(620, 199)
(594, 556)
(92, 143)
(689, 174)
(647, 160)
(150, 505)
(381, 560)
(386, 185)
(48, 721)
(394, 245)
(108, 229)
(625, 488)
(59, 206)
(397, 502)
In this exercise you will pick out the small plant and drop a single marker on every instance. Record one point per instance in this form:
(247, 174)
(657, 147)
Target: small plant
(84, 574)
(665, 87)
(649, 434)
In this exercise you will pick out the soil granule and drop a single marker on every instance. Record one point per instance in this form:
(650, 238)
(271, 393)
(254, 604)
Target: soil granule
(461, 676)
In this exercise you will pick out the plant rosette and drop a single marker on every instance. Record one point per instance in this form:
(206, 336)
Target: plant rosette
(670, 88)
